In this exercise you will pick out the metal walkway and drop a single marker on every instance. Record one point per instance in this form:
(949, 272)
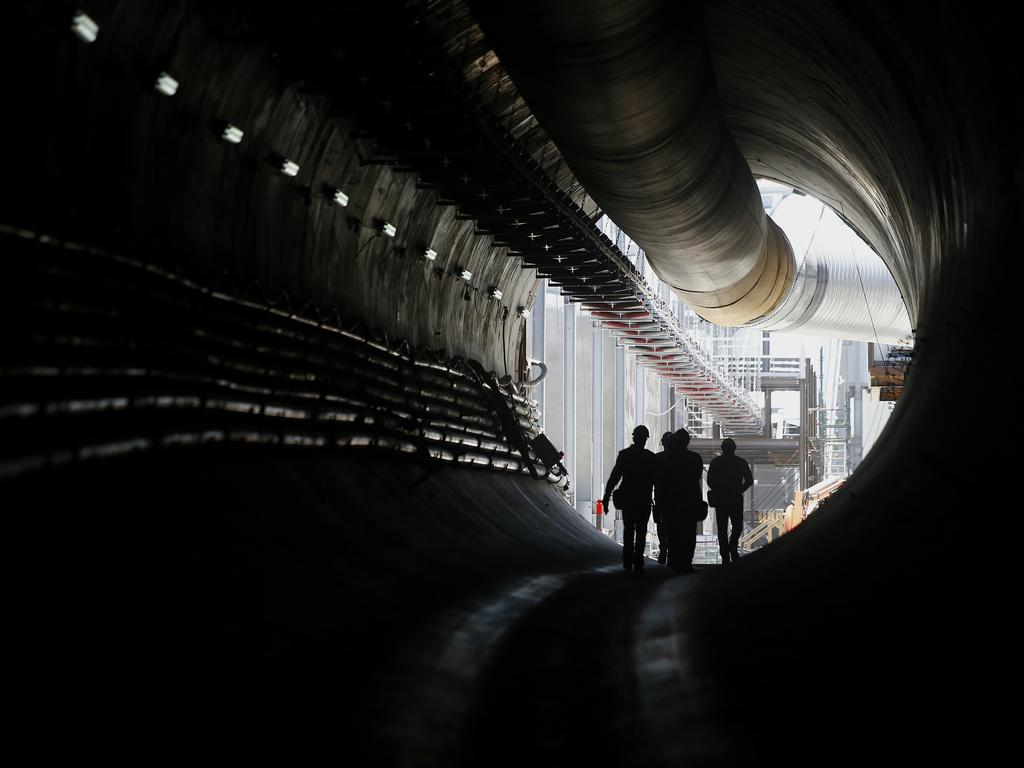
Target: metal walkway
(537, 211)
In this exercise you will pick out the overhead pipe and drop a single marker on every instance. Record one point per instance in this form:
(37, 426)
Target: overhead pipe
(626, 90)
(842, 289)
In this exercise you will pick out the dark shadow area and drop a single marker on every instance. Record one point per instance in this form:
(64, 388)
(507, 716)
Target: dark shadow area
(243, 605)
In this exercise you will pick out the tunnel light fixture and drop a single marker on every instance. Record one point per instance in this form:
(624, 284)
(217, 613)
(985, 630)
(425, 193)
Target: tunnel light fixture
(463, 274)
(430, 254)
(232, 134)
(166, 84)
(288, 168)
(523, 312)
(389, 229)
(494, 293)
(84, 28)
(339, 198)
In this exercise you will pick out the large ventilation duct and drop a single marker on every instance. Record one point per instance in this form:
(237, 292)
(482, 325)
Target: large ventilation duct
(657, 157)
(842, 289)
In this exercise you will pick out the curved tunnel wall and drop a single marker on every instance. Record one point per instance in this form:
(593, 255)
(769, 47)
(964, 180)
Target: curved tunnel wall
(861, 627)
(111, 162)
(872, 126)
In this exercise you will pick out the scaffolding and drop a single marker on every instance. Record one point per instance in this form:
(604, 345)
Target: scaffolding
(834, 442)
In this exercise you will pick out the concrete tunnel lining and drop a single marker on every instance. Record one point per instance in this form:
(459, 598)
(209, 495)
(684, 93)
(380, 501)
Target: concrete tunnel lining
(914, 142)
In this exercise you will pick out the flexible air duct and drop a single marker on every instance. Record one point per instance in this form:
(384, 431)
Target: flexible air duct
(842, 288)
(627, 92)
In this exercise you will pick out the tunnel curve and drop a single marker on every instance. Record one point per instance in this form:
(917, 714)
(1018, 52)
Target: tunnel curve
(252, 601)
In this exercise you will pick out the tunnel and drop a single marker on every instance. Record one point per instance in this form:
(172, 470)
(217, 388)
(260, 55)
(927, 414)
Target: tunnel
(267, 486)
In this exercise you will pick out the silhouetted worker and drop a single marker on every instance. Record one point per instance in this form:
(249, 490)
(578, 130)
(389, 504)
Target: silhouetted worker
(685, 467)
(729, 477)
(635, 468)
(662, 494)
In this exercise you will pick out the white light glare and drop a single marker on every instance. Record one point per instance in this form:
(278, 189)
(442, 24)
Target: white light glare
(523, 312)
(232, 135)
(494, 293)
(340, 198)
(430, 254)
(85, 28)
(166, 84)
(465, 274)
(288, 168)
(389, 229)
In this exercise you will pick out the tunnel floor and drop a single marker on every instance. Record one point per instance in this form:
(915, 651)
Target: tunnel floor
(579, 645)
(277, 607)
(296, 608)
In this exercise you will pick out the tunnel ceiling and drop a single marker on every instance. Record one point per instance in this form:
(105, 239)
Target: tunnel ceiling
(863, 108)
(837, 101)
(859, 119)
